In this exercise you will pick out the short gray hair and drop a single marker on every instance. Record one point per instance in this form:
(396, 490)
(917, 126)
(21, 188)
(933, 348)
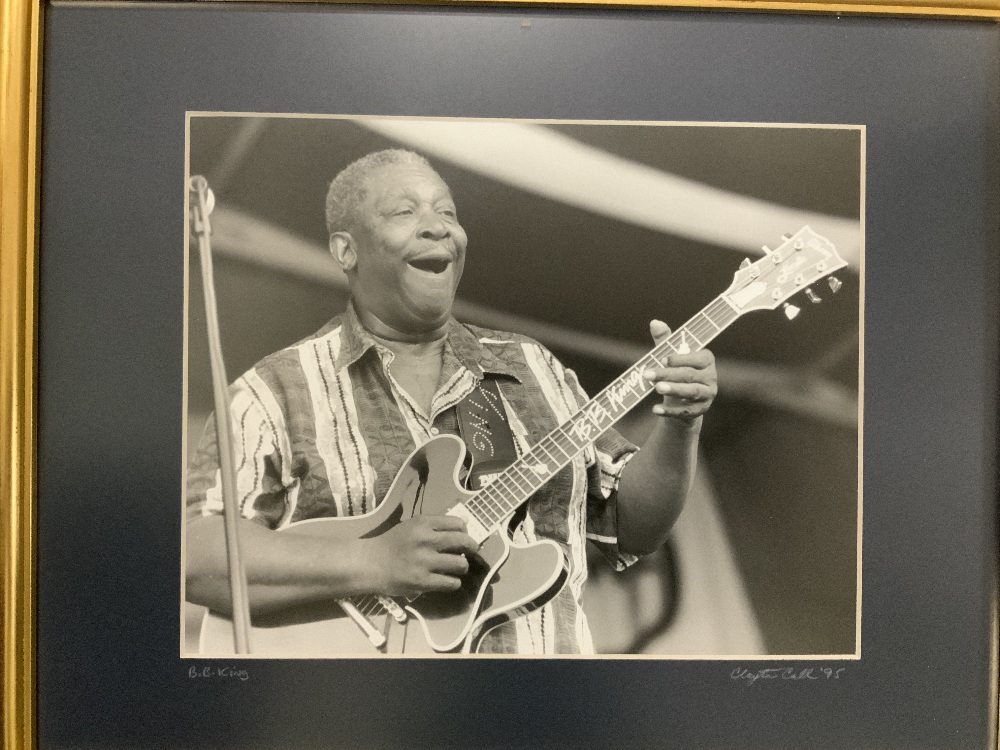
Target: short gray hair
(350, 187)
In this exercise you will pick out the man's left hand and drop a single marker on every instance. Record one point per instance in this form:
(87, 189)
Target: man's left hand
(688, 382)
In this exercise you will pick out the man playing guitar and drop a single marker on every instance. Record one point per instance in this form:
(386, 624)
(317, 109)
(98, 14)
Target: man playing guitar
(321, 429)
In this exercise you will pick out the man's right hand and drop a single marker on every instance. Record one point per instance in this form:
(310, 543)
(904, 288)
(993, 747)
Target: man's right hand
(423, 553)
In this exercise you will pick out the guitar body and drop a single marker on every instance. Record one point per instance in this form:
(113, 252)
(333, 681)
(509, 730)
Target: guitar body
(505, 580)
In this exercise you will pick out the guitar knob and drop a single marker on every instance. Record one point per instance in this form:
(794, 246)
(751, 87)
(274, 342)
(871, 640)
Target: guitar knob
(835, 284)
(812, 296)
(791, 311)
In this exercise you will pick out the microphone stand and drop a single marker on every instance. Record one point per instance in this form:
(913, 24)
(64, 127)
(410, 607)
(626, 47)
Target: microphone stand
(201, 207)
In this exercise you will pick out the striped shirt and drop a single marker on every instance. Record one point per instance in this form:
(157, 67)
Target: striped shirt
(321, 429)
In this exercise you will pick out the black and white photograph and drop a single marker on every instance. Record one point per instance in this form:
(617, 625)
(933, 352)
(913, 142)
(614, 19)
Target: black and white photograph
(522, 388)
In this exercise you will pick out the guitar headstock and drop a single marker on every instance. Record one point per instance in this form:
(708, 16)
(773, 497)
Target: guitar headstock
(802, 259)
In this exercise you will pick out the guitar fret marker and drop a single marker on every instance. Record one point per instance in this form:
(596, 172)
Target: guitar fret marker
(541, 446)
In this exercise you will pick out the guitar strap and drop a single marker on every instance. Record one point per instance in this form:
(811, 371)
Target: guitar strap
(483, 425)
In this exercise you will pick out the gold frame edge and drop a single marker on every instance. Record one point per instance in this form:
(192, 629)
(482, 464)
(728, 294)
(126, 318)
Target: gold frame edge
(19, 128)
(21, 34)
(967, 9)
(954, 9)
(957, 9)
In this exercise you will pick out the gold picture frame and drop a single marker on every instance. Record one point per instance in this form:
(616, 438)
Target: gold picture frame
(20, 121)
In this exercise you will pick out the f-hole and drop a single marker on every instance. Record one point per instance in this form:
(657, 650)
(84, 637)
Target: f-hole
(418, 500)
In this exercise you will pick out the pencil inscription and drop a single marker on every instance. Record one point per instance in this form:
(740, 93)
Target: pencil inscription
(226, 673)
(807, 674)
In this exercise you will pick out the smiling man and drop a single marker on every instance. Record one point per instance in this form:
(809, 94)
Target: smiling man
(324, 426)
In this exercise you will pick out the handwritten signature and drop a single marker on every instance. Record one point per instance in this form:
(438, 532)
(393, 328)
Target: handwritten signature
(230, 673)
(751, 676)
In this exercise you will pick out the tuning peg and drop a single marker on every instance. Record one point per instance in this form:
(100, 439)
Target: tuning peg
(791, 311)
(766, 249)
(786, 236)
(835, 284)
(812, 296)
(746, 263)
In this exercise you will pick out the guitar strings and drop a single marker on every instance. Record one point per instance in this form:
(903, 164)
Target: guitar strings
(497, 508)
(505, 492)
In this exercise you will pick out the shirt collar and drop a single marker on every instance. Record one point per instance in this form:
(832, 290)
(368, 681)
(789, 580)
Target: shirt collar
(355, 341)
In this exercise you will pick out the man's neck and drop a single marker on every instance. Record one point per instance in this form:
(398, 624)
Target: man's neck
(410, 350)
(417, 361)
(389, 334)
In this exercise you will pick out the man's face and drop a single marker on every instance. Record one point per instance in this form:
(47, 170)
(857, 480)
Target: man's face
(410, 249)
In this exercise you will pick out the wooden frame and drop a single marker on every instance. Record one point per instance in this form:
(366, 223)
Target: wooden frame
(20, 120)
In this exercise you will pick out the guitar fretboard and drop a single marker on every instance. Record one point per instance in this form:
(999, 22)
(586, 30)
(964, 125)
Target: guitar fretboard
(525, 476)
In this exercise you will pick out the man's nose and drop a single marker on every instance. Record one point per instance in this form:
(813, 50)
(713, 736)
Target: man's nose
(433, 227)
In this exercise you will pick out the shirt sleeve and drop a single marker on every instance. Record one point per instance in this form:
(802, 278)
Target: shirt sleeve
(263, 490)
(606, 460)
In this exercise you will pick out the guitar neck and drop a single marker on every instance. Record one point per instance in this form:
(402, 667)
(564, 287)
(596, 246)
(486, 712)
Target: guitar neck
(546, 458)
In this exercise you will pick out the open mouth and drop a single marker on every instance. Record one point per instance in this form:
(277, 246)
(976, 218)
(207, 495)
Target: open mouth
(431, 265)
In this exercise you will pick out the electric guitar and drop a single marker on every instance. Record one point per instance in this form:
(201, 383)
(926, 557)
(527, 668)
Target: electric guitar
(505, 580)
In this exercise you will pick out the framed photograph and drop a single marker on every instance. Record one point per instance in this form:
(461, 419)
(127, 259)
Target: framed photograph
(585, 196)
(593, 376)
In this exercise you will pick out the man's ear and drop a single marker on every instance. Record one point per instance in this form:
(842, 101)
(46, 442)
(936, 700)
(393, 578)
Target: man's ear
(344, 250)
